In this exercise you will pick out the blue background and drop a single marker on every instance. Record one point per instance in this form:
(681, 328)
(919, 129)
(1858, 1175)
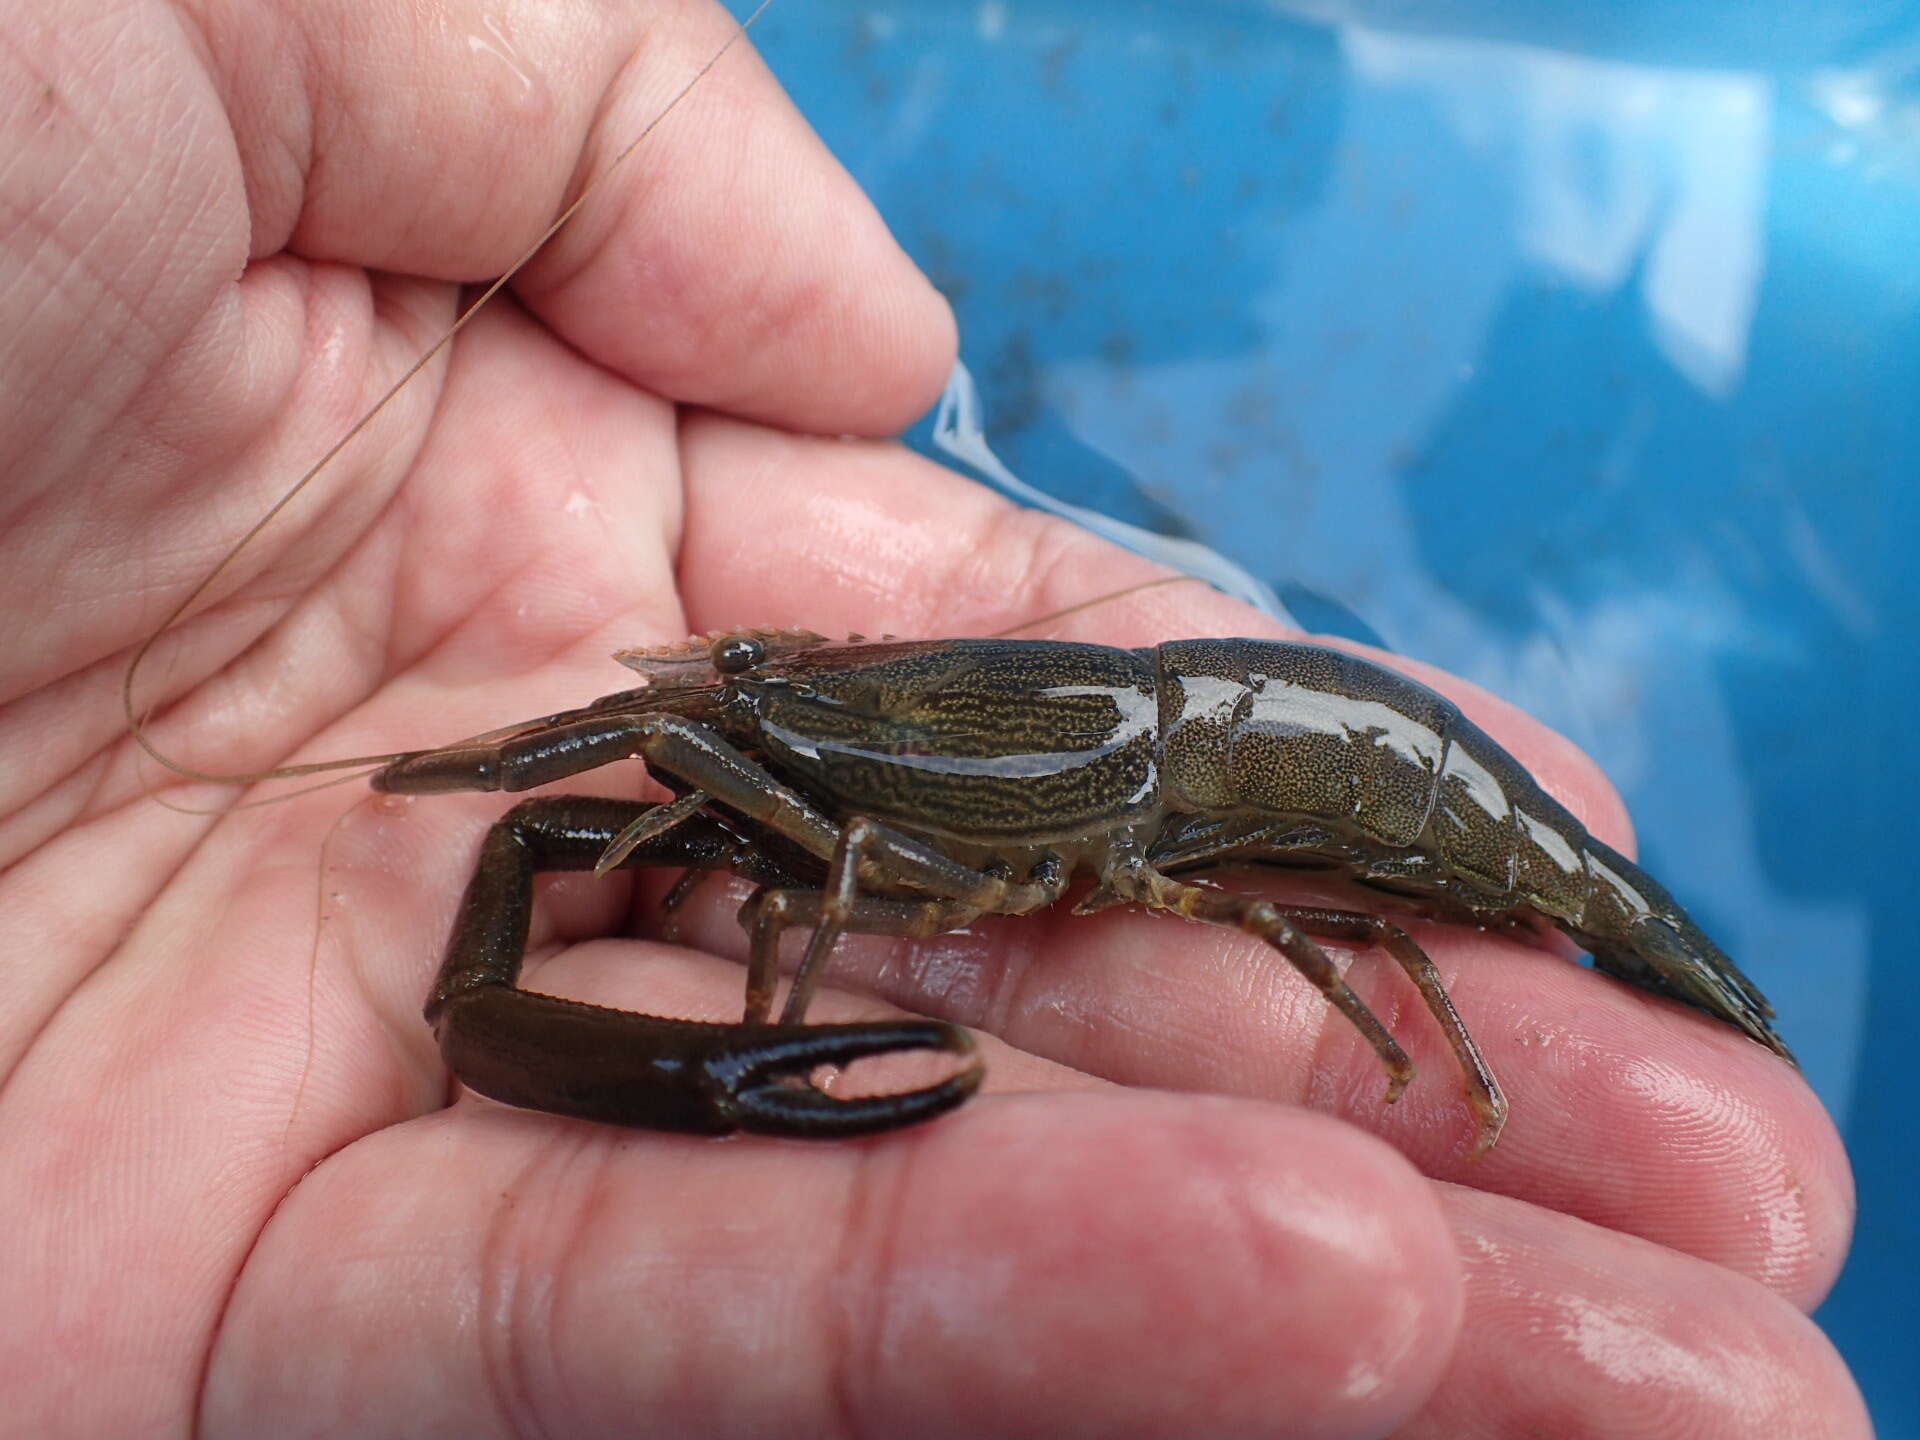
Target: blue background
(1575, 348)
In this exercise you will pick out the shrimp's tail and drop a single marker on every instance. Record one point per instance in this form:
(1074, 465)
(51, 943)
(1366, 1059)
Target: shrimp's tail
(1670, 955)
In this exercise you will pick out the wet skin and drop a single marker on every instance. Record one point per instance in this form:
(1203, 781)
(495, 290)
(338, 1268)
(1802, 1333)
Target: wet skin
(235, 1194)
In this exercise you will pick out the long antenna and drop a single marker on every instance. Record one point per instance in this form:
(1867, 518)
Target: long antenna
(1052, 615)
(136, 719)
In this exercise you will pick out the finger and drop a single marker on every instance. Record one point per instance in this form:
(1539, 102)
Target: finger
(1628, 1111)
(1060, 1264)
(731, 262)
(1581, 1332)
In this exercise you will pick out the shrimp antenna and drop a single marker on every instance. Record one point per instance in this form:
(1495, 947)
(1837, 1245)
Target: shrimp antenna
(136, 718)
(1052, 615)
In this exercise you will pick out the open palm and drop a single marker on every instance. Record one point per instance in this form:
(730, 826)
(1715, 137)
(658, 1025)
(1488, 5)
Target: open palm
(235, 1196)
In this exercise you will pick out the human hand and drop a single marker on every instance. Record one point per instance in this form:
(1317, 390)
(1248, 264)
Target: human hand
(235, 1198)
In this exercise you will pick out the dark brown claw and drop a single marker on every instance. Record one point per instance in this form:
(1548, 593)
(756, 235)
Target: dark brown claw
(624, 1068)
(692, 1076)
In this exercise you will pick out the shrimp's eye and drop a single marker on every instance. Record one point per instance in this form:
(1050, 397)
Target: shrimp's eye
(737, 654)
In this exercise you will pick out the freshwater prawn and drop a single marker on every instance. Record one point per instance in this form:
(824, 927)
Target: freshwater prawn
(910, 787)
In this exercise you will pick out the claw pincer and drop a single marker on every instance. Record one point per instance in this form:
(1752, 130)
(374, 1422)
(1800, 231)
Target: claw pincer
(621, 1068)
